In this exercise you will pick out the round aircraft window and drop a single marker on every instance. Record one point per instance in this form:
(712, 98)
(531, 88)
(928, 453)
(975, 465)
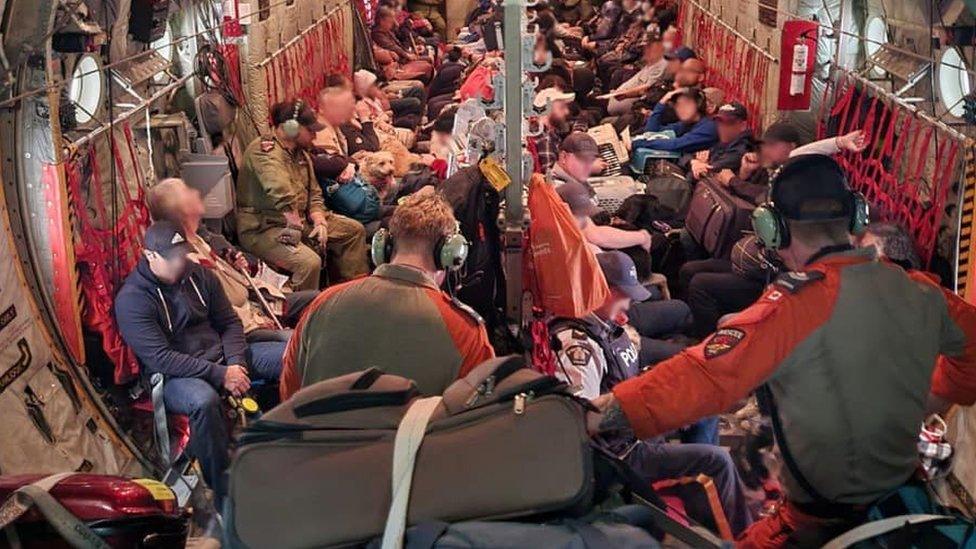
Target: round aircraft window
(954, 82)
(876, 34)
(86, 87)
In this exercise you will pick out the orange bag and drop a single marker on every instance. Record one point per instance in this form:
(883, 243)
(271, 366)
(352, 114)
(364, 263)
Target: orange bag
(568, 281)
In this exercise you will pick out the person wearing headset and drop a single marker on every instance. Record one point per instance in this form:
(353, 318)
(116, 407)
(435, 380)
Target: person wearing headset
(398, 319)
(281, 215)
(848, 353)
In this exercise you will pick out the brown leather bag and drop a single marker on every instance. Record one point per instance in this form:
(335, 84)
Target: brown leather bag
(315, 471)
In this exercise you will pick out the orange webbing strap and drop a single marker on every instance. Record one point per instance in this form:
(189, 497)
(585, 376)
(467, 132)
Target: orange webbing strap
(711, 493)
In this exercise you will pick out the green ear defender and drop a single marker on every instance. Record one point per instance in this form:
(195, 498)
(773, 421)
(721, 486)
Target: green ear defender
(450, 251)
(771, 230)
(291, 127)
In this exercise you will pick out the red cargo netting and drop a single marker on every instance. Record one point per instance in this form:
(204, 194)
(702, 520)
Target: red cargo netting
(908, 168)
(299, 69)
(733, 64)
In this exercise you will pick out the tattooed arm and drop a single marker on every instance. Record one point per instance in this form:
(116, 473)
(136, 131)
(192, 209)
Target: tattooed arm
(609, 418)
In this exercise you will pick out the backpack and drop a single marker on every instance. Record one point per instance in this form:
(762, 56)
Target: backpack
(355, 198)
(645, 211)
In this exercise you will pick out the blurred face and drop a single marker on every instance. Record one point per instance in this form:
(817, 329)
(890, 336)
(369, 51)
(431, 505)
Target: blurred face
(541, 52)
(577, 166)
(616, 305)
(869, 240)
(338, 108)
(191, 205)
(629, 5)
(558, 113)
(385, 23)
(169, 270)
(691, 74)
(775, 153)
(728, 131)
(305, 138)
(653, 52)
(687, 109)
(674, 67)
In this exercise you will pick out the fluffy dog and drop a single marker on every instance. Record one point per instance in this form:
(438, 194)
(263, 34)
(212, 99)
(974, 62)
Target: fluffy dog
(378, 169)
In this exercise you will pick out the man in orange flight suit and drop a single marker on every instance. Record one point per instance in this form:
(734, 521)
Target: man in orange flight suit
(851, 353)
(398, 319)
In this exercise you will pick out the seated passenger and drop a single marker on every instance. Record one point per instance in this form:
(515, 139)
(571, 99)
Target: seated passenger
(734, 140)
(654, 65)
(577, 155)
(779, 143)
(281, 216)
(403, 113)
(398, 319)
(172, 200)
(594, 354)
(694, 131)
(175, 317)
(398, 61)
(546, 144)
(892, 242)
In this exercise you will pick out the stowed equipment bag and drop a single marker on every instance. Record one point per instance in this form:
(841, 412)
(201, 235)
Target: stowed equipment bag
(316, 471)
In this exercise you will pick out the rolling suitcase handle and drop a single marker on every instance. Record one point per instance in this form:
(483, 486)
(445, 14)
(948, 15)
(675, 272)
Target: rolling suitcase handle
(37, 494)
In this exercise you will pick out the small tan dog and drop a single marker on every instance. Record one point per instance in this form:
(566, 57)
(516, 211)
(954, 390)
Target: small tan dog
(378, 169)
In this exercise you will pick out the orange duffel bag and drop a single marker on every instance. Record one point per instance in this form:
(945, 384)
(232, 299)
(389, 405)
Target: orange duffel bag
(564, 274)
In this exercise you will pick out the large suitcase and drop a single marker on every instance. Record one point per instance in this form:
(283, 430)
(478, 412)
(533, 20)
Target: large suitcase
(316, 470)
(717, 219)
(88, 510)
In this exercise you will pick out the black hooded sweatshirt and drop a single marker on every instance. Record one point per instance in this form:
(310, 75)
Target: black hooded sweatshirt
(187, 329)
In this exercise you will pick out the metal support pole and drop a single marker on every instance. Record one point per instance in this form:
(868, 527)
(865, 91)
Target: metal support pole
(513, 233)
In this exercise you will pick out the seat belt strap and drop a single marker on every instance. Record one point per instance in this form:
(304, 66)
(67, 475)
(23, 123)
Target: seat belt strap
(879, 527)
(160, 423)
(38, 495)
(409, 437)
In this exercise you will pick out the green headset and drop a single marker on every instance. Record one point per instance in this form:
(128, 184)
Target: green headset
(450, 251)
(772, 230)
(292, 126)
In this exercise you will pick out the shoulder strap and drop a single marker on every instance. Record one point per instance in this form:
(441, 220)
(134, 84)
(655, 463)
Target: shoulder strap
(878, 527)
(765, 396)
(37, 495)
(409, 437)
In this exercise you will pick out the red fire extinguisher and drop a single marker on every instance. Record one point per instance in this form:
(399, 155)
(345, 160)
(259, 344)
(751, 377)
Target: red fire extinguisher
(799, 47)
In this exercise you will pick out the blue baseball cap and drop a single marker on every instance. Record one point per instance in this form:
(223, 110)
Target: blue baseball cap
(621, 275)
(682, 54)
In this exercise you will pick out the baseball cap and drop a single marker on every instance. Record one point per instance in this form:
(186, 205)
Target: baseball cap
(732, 112)
(580, 144)
(285, 111)
(683, 53)
(621, 274)
(811, 187)
(577, 196)
(782, 132)
(551, 95)
(166, 239)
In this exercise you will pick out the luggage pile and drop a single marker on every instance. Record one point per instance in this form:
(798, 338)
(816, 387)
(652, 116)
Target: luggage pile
(364, 459)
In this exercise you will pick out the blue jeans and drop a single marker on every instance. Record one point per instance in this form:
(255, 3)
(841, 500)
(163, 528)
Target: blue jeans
(655, 461)
(203, 404)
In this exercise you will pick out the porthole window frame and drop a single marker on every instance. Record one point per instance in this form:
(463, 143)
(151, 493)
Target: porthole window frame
(950, 73)
(87, 75)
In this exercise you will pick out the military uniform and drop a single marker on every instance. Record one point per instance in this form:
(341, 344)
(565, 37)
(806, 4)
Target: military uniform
(274, 180)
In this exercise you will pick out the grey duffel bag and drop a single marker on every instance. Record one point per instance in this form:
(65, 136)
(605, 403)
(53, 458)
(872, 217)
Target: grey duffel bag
(623, 528)
(316, 471)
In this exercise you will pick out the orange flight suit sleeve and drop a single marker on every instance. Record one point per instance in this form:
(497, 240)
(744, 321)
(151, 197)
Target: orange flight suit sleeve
(467, 333)
(741, 355)
(954, 378)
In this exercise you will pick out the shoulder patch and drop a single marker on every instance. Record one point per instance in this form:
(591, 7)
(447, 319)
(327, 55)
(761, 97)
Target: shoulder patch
(267, 145)
(466, 309)
(795, 281)
(579, 355)
(723, 341)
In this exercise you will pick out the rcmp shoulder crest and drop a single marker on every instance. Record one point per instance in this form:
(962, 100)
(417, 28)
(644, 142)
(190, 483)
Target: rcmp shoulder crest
(794, 281)
(579, 355)
(723, 341)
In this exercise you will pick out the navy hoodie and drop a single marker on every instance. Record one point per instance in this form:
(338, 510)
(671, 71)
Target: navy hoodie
(690, 138)
(187, 329)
